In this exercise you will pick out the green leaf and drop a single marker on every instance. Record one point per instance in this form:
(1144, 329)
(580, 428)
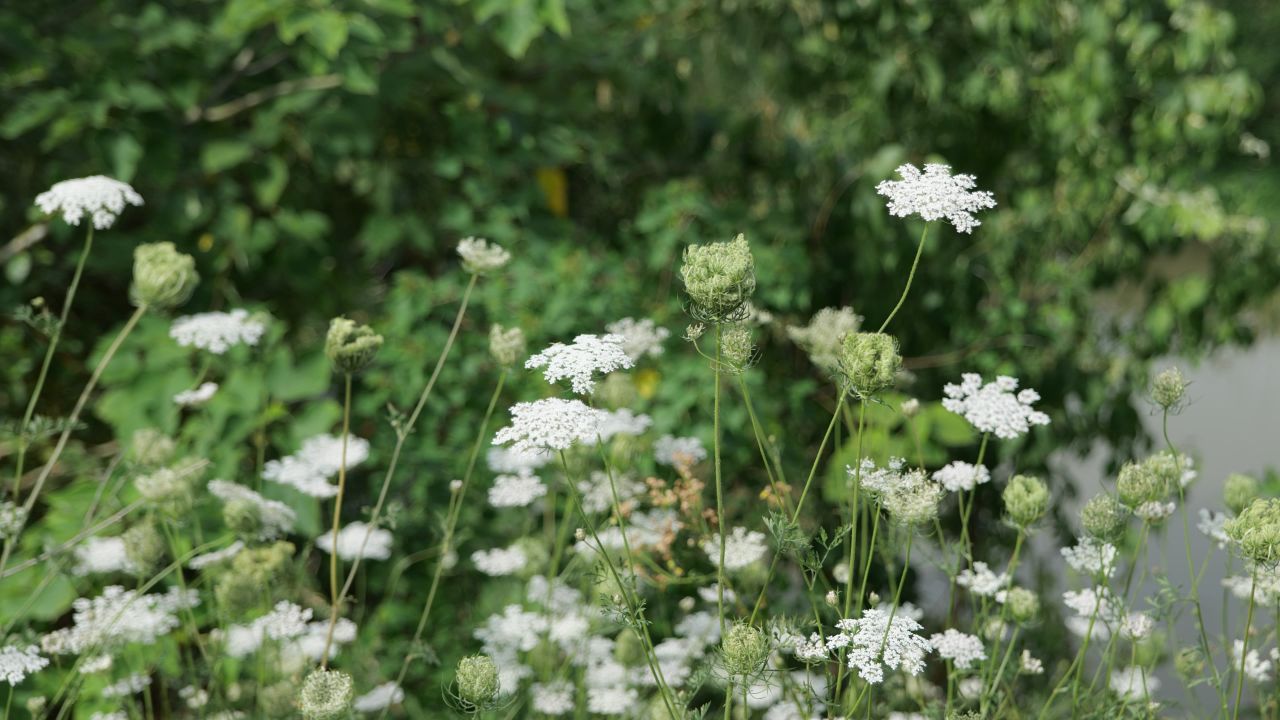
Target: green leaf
(328, 32)
(221, 155)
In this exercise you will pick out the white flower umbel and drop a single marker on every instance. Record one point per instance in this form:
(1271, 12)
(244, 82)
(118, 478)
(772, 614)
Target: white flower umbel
(500, 561)
(1154, 511)
(960, 475)
(962, 649)
(741, 548)
(1134, 683)
(579, 362)
(481, 256)
(1030, 664)
(1256, 668)
(101, 197)
(129, 685)
(1137, 625)
(550, 424)
(639, 337)
(196, 396)
(894, 477)
(622, 422)
(510, 461)
(383, 696)
(358, 540)
(286, 621)
(873, 643)
(597, 492)
(678, 451)
(309, 469)
(1213, 525)
(99, 555)
(553, 698)
(994, 407)
(612, 700)
(16, 663)
(981, 580)
(516, 490)
(217, 332)
(118, 617)
(275, 518)
(217, 557)
(936, 194)
(1092, 557)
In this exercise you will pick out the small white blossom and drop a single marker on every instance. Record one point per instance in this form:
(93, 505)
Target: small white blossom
(16, 663)
(741, 548)
(1213, 525)
(194, 697)
(217, 332)
(981, 580)
(1134, 683)
(500, 561)
(611, 700)
(597, 493)
(101, 197)
(994, 407)
(515, 490)
(622, 422)
(196, 396)
(579, 362)
(936, 194)
(1092, 557)
(1154, 510)
(131, 685)
(310, 468)
(551, 424)
(960, 648)
(383, 696)
(100, 555)
(678, 451)
(1137, 625)
(1031, 665)
(200, 562)
(554, 698)
(358, 540)
(118, 617)
(639, 337)
(481, 256)
(275, 518)
(960, 475)
(1256, 668)
(873, 643)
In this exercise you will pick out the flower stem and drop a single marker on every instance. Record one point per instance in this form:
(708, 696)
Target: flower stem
(720, 519)
(910, 277)
(1244, 647)
(335, 601)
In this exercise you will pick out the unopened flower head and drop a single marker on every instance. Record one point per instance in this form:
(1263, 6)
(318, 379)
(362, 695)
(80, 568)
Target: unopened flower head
(548, 425)
(1024, 605)
(994, 407)
(874, 642)
(579, 362)
(1137, 485)
(936, 194)
(962, 649)
(169, 489)
(960, 475)
(349, 346)
(639, 337)
(744, 650)
(1103, 518)
(480, 257)
(914, 503)
(12, 518)
(720, 279)
(1026, 498)
(145, 548)
(506, 345)
(1169, 388)
(325, 695)
(476, 682)
(100, 197)
(150, 447)
(358, 540)
(251, 515)
(737, 348)
(163, 278)
(824, 336)
(1256, 531)
(1239, 491)
(869, 362)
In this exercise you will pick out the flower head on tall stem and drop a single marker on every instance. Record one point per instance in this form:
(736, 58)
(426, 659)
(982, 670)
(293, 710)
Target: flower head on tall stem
(100, 197)
(936, 194)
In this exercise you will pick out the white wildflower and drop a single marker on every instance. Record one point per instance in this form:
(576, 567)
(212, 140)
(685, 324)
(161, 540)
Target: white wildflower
(217, 332)
(639, 337)
(597, 493)
(197, 396)
(358, 540)
(823, 336)
(500, 561)
(893, 478)
(275, 518)
(960, 475)
(960, 648)
(1256, 668)
(1213, 525)
(1134, 683)
(554, 698)
(1154, 510)
(813, 650)
(1030, 665)
(678, 451)
(516, 490)
(98, 555)
(194, 697)
(994, 407)
(981, 580)
(12, 519)
(741, 548)
(309, 469)
(199, 562)
(131, 685)
(579, 362)
(480, 256)
(101, 197)
(118, 617)
(1092, 557)
(622, 422)
(1137, 625)
(873, 643)
(551, 424)
(383, 696)
(16, 663)
(611, 700)
(936, 194)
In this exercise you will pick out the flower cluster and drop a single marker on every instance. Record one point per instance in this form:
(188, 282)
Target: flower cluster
(880, 640)
(100, 197)
(994, 407)
(217, 332)
(936, 194)
(551, 424)
(639, 337)
(579, 362)
(311, 467)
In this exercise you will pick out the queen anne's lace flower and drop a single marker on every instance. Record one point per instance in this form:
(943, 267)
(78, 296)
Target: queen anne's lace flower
(16, 663)
(217, 332)
(481, 256)
(579, 362)
(936, 194)
(510, 461)
(678, 451)
(1154, 511)
(131, 685)
(385, 695)
(275, 518)
(873, 643)
(196, 396)
(550, 424)
(639, 337)
(200, 562)
(741, 548)
(1213, 525)
(500, 561)
(981, 580)
(1137, 625)
(961, 649)
(611, 700)
(1256, 668)
(99, 555)
(118, 617)
(101, 197)
(319, 458)
(516, 490)
(554, 698)
(358, 540)
(960, 475)
(597, 493)
(823, 337)
(622, 422)
(1092, 557)
(1029, 664)
(1134, 683)
(994, 407)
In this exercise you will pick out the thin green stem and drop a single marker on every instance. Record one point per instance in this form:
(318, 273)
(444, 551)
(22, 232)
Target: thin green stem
(335, 602)
(1244, 647)
(720, 518)
(910, 277)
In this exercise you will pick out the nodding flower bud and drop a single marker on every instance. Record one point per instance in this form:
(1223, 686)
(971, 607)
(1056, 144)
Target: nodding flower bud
(477, 682)
(1023, 604)
(150, 447)
(1104, 518)
(1238, 491)
(144, 547)
(350, 347)
(1137, 485)
(745, 649)
(869, 362)
(325, 695)
(1026, 499)
(1169, 388)
(720, 278)
(736, 347)
(163, 278)
(506, 345)
(1256, 531)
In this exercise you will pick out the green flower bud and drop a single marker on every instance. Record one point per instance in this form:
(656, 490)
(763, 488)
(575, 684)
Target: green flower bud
(239, 588)
(719, 278)
(869, 362)
(1256, 531)
(145, 548)
(169, 490)
(1238, 491)
(1026, 499)
(477, 681)
(1167, 469)
(823, 337)
(325, 695)
(745, 650)
(243, 517)
(736, 347)
(914, 503)
(1137, 485)
(1103, 518)
(1169, 388)
(1023, 605)
(658, 710)
(150, 447)
(163, 278)
(506, 346)
(1190, 664)
(628, 648)
(350, 347)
